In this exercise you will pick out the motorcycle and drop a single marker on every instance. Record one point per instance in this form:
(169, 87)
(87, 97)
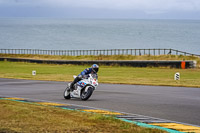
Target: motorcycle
(82, 89)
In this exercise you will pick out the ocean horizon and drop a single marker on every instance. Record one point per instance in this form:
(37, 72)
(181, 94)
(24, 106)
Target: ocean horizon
(90, 34)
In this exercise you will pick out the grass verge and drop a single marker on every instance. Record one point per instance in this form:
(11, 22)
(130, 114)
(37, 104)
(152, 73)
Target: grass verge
(17, 117)
(107, 74)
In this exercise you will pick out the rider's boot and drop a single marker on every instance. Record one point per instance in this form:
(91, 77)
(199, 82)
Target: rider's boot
(72, 86)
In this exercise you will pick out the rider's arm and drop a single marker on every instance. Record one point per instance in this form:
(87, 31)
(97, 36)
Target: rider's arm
(86, 71)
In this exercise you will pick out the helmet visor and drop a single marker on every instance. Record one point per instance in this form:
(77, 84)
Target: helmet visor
(95, 70)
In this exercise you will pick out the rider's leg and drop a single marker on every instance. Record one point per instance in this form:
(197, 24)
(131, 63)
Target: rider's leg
(74, 82)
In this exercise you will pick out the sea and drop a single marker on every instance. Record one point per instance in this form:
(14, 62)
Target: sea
(92, 34)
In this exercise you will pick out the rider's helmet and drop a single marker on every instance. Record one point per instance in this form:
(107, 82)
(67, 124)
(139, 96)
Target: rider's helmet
(95, 68)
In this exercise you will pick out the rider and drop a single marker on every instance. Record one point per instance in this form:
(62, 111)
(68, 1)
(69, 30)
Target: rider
(94, 69)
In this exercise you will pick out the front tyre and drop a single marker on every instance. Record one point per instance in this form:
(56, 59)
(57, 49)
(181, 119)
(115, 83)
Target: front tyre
(86, 93)
(66, 93)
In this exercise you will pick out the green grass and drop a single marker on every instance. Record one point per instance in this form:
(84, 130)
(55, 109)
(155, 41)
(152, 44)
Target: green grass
(107, 74)
(17, 117)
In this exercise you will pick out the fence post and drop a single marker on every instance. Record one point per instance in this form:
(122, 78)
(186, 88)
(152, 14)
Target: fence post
(170, 51)
(135, 52)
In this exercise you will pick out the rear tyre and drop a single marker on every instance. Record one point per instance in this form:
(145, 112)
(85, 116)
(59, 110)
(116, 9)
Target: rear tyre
(86, 93)
(66, 93)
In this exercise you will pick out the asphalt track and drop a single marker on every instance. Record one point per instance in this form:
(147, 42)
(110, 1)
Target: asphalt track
(179, 104)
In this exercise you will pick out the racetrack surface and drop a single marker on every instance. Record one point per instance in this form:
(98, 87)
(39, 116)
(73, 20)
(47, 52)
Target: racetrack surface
(179, 104)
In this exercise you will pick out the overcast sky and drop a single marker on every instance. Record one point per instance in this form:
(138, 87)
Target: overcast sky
(134, 9)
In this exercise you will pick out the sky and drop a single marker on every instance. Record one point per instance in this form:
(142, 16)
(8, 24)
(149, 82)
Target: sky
(126, 9)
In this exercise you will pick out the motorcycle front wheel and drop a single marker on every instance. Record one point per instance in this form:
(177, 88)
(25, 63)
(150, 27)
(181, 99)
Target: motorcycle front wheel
(66, 93)
(85, 95)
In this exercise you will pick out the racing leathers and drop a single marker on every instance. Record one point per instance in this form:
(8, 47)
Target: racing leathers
(83, 74)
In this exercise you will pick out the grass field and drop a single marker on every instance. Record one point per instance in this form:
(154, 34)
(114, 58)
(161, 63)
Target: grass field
(17, 117)
(107, 74)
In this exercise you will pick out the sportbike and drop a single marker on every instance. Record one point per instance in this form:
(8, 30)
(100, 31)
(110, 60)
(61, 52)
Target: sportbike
(82, 89)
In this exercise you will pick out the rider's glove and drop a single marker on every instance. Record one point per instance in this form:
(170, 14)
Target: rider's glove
(80, 76)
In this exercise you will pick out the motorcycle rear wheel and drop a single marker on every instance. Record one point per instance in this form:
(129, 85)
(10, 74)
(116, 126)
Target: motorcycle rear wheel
(85, 95)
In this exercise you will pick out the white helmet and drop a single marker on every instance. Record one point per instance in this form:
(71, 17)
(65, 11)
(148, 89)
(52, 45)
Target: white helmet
(95, 68)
